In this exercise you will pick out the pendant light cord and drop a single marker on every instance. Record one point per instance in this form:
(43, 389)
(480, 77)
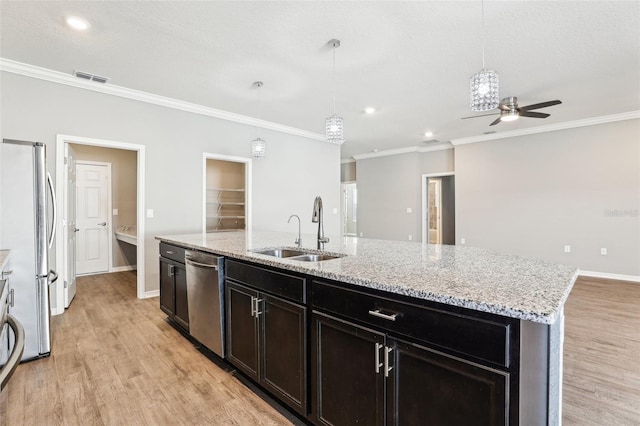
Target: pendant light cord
(334, 79)
(483, 35)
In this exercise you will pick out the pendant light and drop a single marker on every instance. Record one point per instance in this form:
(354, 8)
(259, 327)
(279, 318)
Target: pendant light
(334, 128)
(259, 146)
(484, 85)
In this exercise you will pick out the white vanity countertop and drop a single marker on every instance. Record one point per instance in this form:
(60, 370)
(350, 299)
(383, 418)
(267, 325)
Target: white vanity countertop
(468, 277)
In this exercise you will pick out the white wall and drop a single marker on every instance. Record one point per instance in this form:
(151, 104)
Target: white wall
(286, 182)
(388, 185)
(532, 195)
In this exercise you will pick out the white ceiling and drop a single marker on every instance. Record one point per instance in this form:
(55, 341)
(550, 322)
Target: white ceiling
(410, 60)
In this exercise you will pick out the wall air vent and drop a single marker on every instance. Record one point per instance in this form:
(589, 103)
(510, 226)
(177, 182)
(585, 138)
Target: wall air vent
(92, 77)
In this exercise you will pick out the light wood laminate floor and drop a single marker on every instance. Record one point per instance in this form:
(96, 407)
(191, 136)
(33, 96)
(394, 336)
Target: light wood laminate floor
(115, 360)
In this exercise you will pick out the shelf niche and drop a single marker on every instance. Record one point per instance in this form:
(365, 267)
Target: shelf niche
(225, 195)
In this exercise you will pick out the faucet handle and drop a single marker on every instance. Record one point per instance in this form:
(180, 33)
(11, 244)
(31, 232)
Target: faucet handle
(323, 239)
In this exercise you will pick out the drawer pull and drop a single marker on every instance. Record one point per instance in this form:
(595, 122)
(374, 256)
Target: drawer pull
(379, 314)
(170, 252)
(387, 367)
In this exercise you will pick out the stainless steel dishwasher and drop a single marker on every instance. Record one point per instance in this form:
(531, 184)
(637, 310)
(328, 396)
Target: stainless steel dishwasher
(205, 295)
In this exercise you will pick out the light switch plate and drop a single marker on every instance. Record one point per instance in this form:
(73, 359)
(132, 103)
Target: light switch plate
(409, 210)
(149, 213)
(115, 212)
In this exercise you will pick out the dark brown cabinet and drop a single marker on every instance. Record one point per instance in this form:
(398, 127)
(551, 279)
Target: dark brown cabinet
(347, 390)
(379, 361)
(173, 285)
(266, 339)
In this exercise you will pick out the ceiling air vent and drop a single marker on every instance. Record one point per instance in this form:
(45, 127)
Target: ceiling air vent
(92, 77)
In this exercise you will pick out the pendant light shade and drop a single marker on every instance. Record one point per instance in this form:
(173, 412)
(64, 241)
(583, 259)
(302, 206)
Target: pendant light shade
(484, 89)
(259, 146)
(484, 86)
(334, 129)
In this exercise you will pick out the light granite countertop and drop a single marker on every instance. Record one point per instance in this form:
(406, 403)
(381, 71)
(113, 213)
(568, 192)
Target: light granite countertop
(468, 277)
(4, 258)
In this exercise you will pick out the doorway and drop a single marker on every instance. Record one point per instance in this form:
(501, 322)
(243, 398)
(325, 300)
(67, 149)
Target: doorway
(349, 209)
(66, 156)
(226, 193)
(438, 208)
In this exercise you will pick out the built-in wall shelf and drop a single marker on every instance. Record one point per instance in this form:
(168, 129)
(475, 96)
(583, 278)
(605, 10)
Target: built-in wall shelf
(225, 209)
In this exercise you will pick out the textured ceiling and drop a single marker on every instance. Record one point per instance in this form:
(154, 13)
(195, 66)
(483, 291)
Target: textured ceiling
(410, 60)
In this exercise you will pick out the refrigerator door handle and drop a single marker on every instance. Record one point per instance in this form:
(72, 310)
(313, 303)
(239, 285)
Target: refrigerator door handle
(53, 199)
(55, 276)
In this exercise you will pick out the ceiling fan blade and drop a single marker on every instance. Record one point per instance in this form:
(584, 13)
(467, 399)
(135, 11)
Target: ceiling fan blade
(481, 115)
(533, 114)
(540, 105)
(496, 121)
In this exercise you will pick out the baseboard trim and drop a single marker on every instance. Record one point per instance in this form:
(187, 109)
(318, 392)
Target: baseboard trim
(607, 275)
(124, 268)
(150, 294)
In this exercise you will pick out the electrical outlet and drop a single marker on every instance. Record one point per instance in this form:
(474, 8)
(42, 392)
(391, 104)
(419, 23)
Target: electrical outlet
(410, 237)
(567, 249)
(361, 234)
(335, 210)
(115, 212)
(149, 213)
(603, 251)
(462, 241)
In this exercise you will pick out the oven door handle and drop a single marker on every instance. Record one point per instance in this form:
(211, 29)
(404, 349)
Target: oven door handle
(16, 354)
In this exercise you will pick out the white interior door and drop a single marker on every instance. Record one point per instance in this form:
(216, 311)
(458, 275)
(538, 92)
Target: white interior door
(72, 229)
(434, 212)
(92, 217)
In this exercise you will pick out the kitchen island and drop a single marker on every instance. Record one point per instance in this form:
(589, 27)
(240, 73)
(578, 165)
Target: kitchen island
(485, 327)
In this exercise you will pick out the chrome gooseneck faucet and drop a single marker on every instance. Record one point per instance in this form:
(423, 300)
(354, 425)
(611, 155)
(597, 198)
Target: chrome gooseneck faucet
(317, 218)
(299, 239)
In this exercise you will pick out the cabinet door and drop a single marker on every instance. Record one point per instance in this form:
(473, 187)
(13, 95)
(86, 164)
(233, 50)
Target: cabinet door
(167, 288)
(242, 329)
(348, 386)
(182, 305)
(431, 388)
(283, 344)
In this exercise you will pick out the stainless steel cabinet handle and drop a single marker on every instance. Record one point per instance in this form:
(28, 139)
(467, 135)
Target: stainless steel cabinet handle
(253, 306)
(10, 298)
(170, 270)
(378, 363)
(379, 314)
(387, 368)
(6, 273)
(170, 252)
(202, 265)
(103, 224)
(258, 312)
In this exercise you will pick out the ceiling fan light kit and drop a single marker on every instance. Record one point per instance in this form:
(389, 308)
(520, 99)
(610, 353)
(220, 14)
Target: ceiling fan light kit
(334, 125)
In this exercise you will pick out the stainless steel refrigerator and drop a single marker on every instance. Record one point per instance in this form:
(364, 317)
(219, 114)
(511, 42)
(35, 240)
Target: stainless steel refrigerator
(27, 228)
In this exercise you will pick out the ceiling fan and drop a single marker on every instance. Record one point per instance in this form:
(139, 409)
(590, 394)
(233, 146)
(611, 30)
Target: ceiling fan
(510, 111)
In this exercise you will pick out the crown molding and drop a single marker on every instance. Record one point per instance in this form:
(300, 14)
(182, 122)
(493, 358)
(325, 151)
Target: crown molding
(549, 128)
(40, 73)
(347, 160)
(398, 151)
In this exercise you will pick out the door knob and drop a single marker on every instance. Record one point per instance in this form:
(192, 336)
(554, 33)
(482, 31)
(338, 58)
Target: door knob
(76, 229)
(103, 224)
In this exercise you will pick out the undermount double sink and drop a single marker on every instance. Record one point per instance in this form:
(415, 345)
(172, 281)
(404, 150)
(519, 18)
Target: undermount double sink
(295, 254)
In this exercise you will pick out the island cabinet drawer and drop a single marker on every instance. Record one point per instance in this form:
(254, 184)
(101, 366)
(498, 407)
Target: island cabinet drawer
(483, 339)
(270, 281)
(172, 252)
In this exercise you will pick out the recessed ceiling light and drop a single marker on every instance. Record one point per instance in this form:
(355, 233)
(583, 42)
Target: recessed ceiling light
(77, 23)
(428, 134)
(369, 110)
